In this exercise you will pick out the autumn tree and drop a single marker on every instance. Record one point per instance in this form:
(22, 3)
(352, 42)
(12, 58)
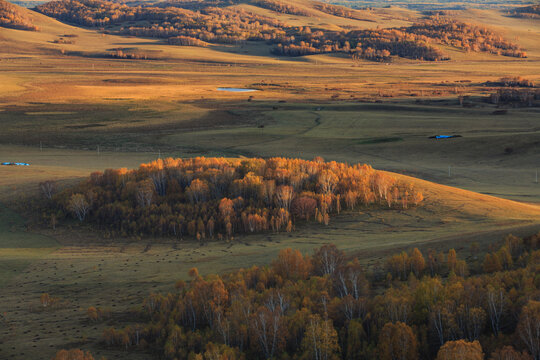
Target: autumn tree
(92, 313)
(397, 342)
(291, 264)
(496, 303)
(417, 262)
(327, 181)
(48, 188)
(79, 206)
(73, 354)
(284, 196)
(303, 207)
(356, 340)
(451, 260)
(198, 191)
(350, 280)
(320, 340)
(45, 300)
(220, 352)
(529, 328)
(460, 350)
(144, 194)
(159, 179)
(327, 259)
(267, 330)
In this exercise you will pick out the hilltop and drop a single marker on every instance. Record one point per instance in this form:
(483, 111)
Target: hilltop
(11, 16)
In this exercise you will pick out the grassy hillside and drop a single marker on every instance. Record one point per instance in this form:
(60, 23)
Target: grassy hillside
(218, 23)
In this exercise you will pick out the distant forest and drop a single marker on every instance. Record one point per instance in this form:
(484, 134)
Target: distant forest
(230, 25)
(12, 17)
(423, 5)
(530, 12)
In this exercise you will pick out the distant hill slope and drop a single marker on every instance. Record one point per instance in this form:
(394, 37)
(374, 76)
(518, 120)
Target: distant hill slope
(299, 7)
(11, 16)
(225, 24)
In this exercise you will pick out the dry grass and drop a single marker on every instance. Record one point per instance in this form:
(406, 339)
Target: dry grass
(34, 63)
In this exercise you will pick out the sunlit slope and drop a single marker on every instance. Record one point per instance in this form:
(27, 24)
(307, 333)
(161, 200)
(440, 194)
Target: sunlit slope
(451, 201)
(441, 201)
(362, 19)
(42, 42)
(524, 31)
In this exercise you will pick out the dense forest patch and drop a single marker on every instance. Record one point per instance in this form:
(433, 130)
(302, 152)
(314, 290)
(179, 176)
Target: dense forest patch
(218, 197)
(325, 306)
(530, 12)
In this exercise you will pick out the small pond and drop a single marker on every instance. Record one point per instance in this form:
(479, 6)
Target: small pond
(15, 164)
(235, 89)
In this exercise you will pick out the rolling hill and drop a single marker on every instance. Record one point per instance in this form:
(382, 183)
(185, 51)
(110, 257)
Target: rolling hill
(11, 16)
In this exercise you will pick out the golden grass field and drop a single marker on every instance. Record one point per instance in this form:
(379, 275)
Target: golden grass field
(137, 110)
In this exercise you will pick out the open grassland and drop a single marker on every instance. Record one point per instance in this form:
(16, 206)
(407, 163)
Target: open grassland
(18, 247)
(497, 154)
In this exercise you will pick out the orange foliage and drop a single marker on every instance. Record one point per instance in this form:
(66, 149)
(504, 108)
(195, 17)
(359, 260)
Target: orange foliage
(207, 197)
(460, 350)
(11, 16)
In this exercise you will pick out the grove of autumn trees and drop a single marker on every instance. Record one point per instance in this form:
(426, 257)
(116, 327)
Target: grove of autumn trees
(208, 198)
(530, 12)
(190, 23)
(11, 16)
(326, 306)
(73, 354)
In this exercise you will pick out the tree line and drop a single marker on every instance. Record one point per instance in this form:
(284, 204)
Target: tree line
(466, 36)
(512, 81)
(325, 306)
(12, 17)
(515, 97)
(530, 12)
(229, 25)
(207, 198)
